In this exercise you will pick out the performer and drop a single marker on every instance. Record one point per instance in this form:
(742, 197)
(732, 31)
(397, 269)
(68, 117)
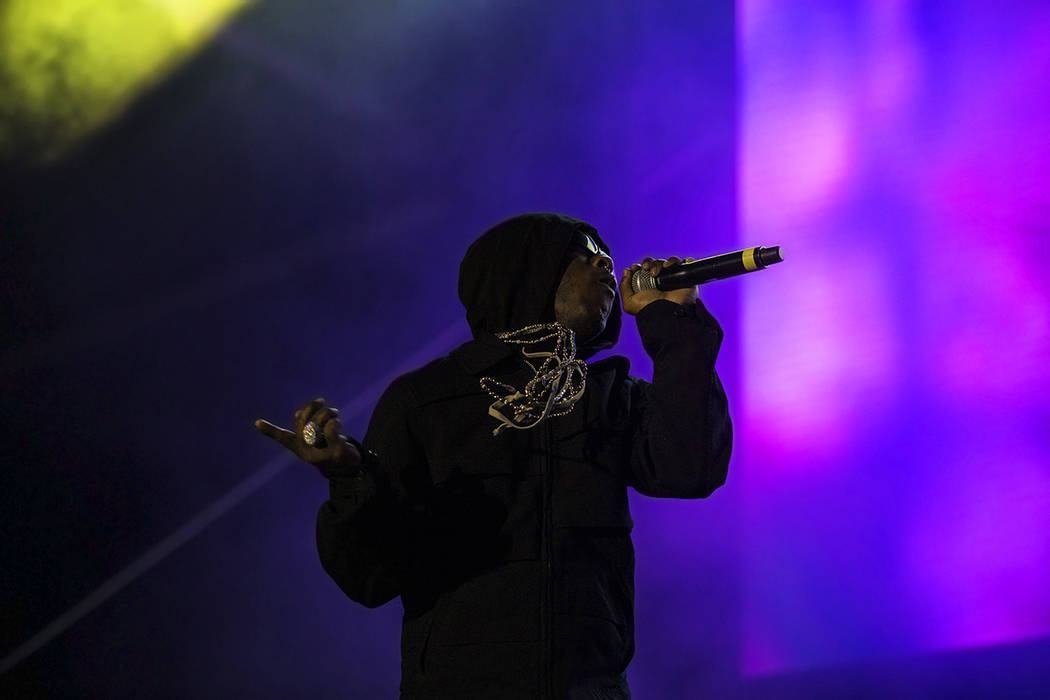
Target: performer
(490, 490)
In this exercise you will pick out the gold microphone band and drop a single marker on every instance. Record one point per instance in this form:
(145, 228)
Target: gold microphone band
(749, 259)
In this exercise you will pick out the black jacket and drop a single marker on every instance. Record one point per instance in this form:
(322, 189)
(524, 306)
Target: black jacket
(512, 553)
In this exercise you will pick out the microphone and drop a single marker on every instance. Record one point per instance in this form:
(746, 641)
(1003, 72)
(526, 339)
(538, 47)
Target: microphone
(717, 267)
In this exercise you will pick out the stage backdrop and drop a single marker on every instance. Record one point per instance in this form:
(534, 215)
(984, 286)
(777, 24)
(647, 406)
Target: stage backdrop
(895, 418)
(213, 211)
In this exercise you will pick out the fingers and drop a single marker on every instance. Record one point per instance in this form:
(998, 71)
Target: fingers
(345, 453)
(328, 419)
(625, 283)
(655, 265)
(626, 291)
(320, 419)
(333, 431)
(306, 413)
(324, 415)
(660, 264)
(334, 450)
(320, 415)
(285, 437)
(633, 302)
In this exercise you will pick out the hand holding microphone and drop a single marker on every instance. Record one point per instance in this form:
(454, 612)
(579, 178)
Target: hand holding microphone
(717, 267)
(676, 280)
(634, 300)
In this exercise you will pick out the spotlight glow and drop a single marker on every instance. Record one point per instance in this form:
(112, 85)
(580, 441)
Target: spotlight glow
(67, 67)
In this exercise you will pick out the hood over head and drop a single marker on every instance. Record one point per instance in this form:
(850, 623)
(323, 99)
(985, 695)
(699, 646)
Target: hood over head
(509, 276)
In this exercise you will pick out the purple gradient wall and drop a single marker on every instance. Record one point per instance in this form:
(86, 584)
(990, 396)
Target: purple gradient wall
(895, 423)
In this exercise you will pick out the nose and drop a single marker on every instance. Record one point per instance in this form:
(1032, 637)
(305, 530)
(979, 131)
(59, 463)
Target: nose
(602, 262)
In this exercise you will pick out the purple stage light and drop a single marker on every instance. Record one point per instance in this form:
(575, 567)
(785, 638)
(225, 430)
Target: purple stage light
(897, 460)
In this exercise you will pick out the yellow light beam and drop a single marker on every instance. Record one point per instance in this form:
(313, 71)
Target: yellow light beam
(68, 67)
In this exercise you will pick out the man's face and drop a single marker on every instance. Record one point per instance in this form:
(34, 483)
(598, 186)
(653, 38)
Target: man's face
(586, 294)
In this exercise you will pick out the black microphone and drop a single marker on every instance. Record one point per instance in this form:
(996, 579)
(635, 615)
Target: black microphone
(717, 267)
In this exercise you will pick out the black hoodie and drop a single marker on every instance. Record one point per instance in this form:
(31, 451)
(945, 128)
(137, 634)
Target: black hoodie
(509, 276)
(512, 553)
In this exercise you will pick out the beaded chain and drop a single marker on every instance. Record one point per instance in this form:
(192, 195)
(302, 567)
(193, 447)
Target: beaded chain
(558, 383)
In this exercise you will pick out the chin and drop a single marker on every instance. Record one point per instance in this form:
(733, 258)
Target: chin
(590, 331)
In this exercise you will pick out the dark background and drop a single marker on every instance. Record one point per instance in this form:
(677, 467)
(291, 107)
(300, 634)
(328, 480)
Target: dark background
(283, 217)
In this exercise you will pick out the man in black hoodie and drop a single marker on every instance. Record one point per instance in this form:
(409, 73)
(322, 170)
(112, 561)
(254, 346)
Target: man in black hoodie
(490, 490)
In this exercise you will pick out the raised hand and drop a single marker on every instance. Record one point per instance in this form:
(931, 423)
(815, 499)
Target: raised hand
(331, 449)
(633, 302)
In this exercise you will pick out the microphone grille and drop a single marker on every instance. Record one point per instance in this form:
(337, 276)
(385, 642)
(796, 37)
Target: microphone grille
(641, 280)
